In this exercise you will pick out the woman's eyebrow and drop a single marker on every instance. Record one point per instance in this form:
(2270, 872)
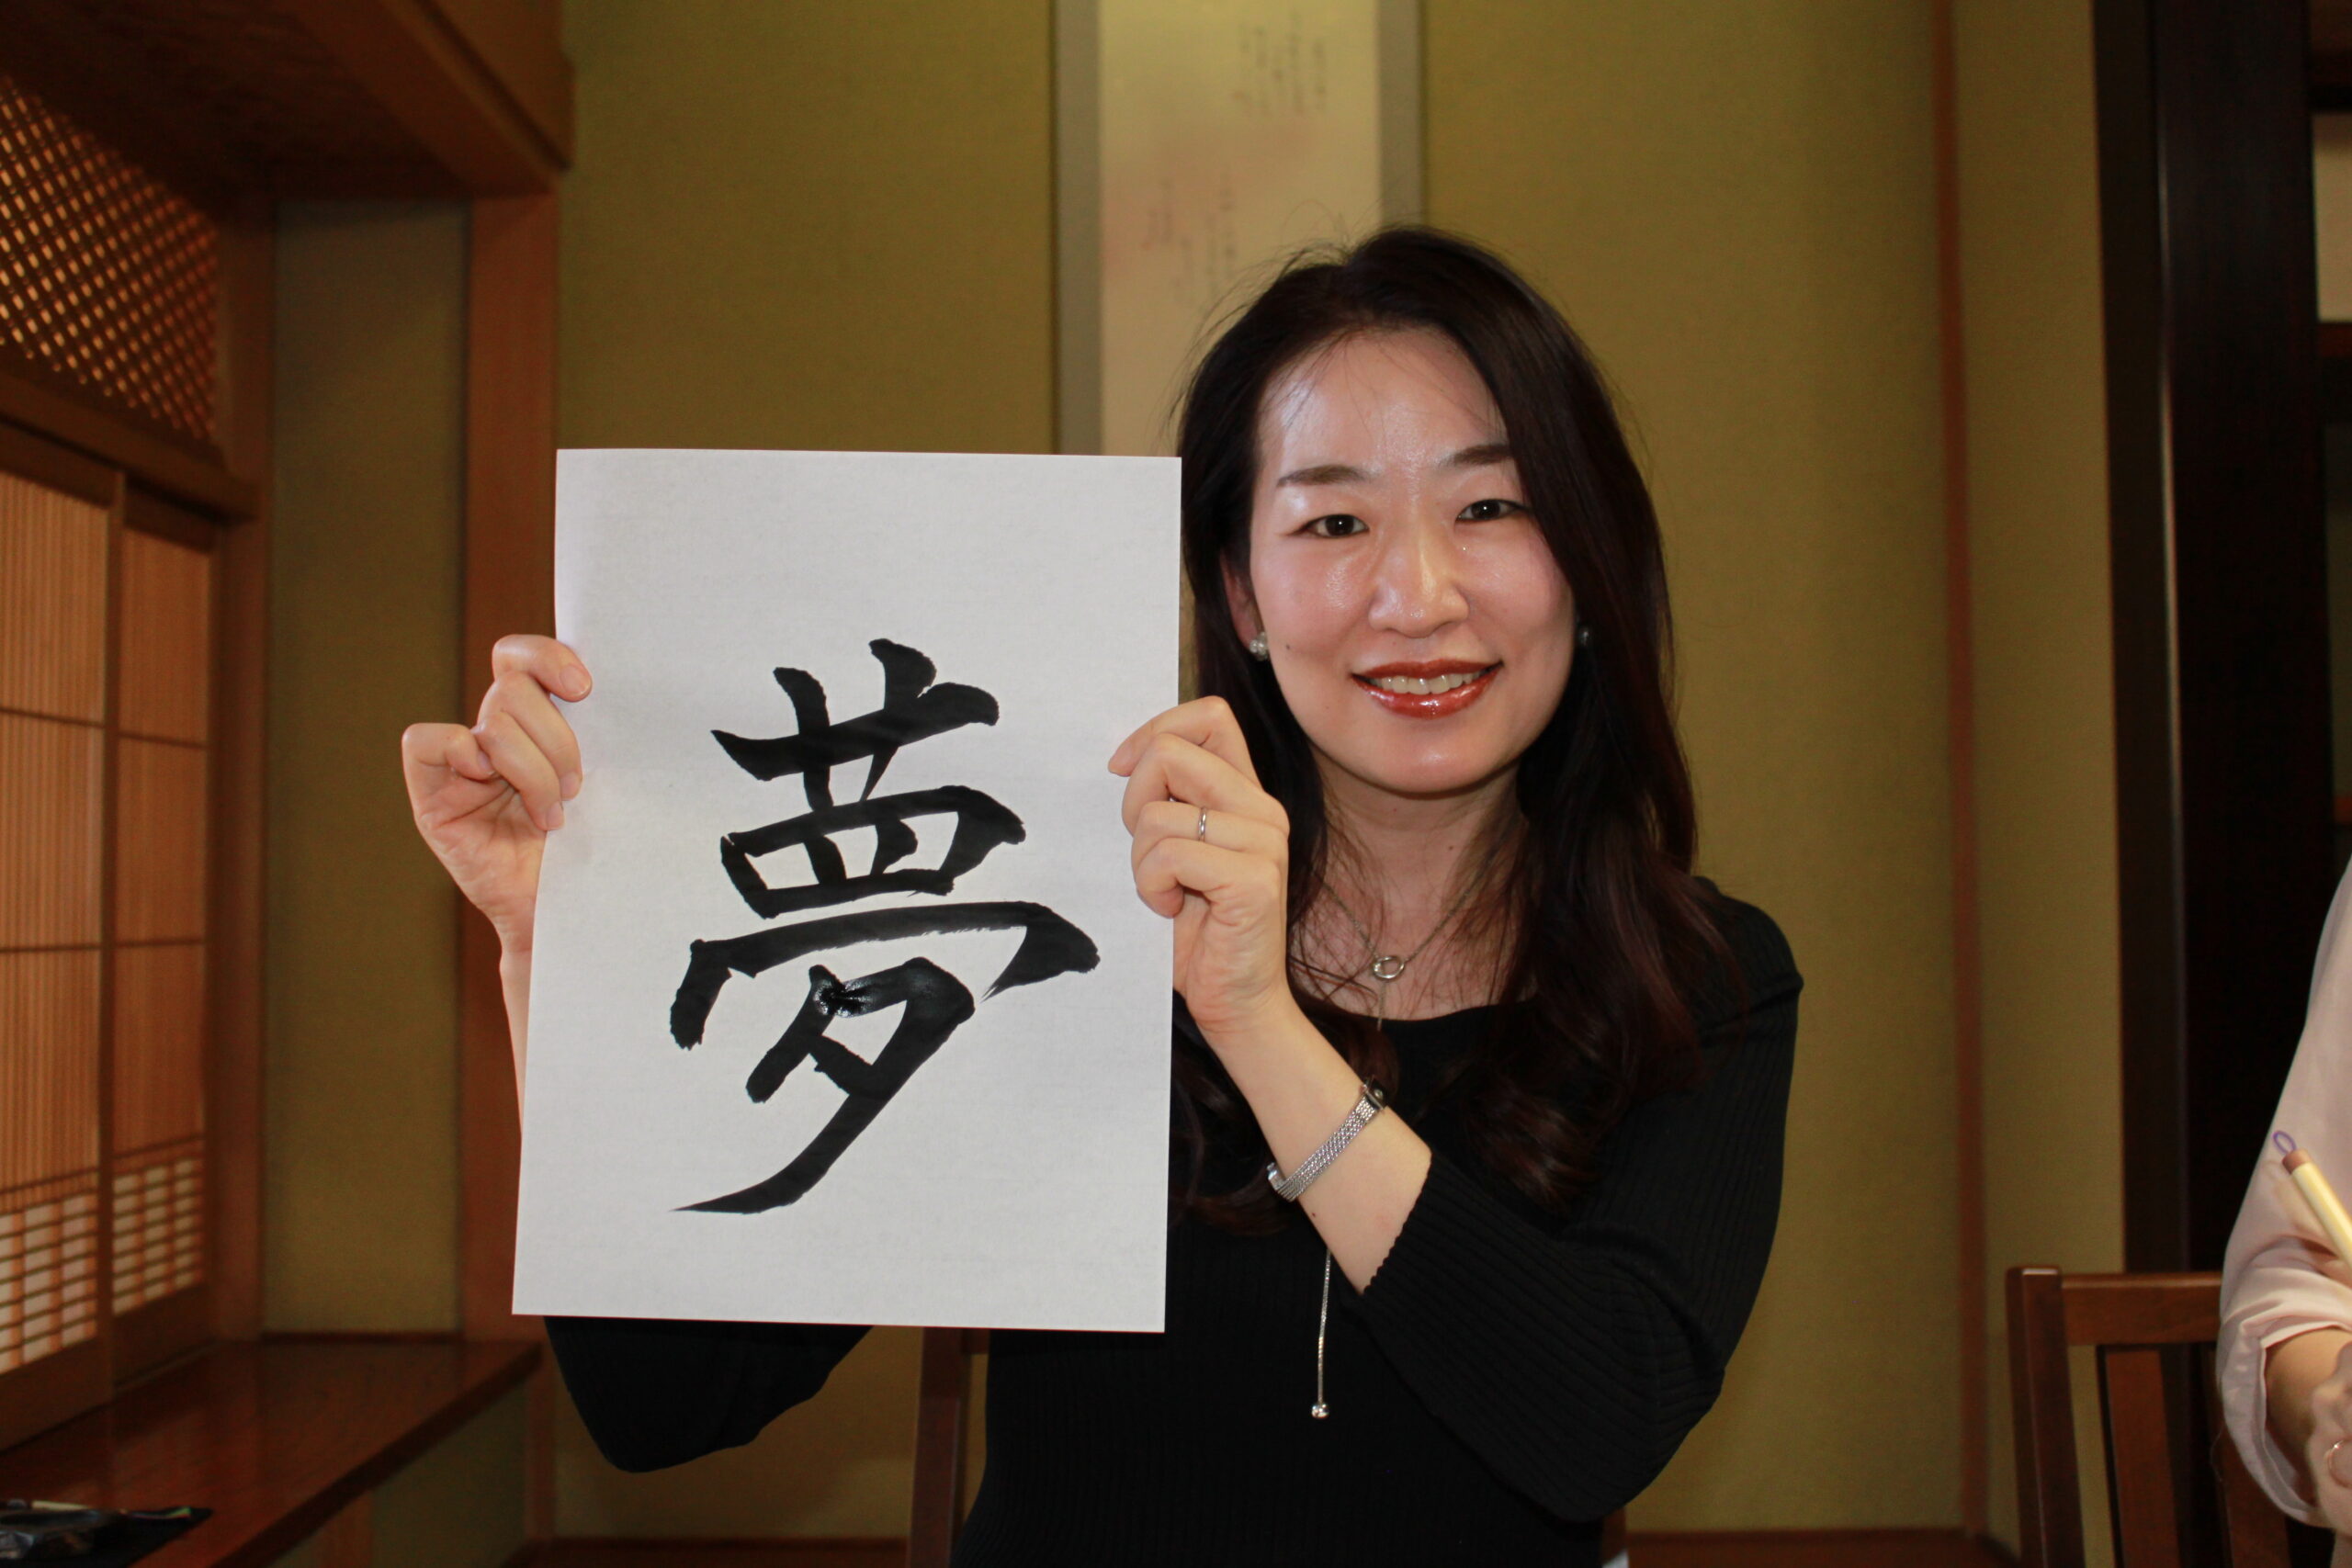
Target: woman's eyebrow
(1321, 474)
(1485, 456)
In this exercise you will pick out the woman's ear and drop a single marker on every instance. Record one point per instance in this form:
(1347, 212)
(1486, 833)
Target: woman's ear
(1241, 604)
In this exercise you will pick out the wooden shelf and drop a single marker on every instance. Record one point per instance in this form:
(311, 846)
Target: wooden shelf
(275, 1437)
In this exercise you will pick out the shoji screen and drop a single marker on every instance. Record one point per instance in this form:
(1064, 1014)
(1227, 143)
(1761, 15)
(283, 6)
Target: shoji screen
(163, 624)
(53, 590)
(106, 661)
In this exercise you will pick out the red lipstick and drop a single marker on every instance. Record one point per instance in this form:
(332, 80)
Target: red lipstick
(1435, 705)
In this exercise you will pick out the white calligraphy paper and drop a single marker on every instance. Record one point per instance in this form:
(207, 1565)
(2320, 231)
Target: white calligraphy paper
(917, 1070)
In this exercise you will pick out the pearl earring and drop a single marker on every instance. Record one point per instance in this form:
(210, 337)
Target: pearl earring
(1584, 637)
(1258, 646)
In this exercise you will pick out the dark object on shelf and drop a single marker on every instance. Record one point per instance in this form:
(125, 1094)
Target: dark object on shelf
(94, 1537)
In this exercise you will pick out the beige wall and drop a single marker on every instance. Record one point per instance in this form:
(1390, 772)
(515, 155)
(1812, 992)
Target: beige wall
(366, 553)
(804, 226)
(1736, 206)
(2037, 476)
(365, 582)
(810, 226)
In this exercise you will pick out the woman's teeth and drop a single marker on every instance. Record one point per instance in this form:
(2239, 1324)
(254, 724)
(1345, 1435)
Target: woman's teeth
(1413, 686)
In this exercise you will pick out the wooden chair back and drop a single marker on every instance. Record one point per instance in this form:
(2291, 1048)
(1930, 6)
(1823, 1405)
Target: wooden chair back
(940, 1405)
(2143, 1327)
(941, 1400)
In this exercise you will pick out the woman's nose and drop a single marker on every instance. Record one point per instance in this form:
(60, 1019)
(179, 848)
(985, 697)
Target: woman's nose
(1417, 589)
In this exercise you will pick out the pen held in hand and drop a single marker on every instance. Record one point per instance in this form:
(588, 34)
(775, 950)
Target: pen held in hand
(2317, 1192)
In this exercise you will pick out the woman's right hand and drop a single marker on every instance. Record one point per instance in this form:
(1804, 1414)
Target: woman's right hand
(485, 798)
(2327, 1452)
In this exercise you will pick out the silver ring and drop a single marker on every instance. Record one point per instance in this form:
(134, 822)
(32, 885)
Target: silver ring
(1202, 832)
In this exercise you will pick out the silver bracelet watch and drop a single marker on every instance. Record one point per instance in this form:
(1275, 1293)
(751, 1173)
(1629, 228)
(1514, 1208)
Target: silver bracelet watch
(1367, 1107)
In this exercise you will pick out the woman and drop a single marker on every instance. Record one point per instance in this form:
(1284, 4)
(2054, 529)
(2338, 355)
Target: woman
(1428, 830)
(2286, 1348)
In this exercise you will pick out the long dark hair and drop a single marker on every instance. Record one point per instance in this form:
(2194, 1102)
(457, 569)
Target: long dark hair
(1602, 927)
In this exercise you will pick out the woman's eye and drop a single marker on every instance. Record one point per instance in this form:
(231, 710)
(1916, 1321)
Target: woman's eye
(1488, 511)
(1338, 526)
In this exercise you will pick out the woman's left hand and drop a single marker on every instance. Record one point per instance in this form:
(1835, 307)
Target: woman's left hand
(1227, 890)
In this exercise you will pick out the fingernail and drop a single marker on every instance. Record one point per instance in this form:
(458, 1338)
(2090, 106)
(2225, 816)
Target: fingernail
(555, 817)
(575, 682)
(571, 783)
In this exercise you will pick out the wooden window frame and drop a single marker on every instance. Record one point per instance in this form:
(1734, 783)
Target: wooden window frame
(211, 497)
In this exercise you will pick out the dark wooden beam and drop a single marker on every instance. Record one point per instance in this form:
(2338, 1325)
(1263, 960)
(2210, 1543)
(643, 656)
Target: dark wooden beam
(169, 464)
(2224, 762)
(118, 95)
(408, 58)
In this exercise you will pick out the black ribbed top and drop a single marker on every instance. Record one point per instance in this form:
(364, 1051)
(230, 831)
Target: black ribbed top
(1509, 1378)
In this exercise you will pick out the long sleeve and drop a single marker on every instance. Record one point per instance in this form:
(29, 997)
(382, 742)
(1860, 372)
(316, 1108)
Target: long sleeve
(1573, 1358)
(2281, 1278)
(659, 1392)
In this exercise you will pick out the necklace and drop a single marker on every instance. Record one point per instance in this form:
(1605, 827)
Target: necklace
(1388, 967)
(1385, 967)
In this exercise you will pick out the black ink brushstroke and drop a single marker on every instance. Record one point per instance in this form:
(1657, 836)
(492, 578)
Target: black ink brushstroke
(936, 1004)
(982, 825)
(912, 709)
(813, 716)
(1051, 946)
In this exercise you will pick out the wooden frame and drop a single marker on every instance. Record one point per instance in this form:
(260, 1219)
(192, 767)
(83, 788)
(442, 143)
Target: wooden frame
(511, 282)
(510, 587)
(147, 477)
(505, 132)
(151, 1335)
(131, 1344)
(76, 1378)
(1959, 733)
(239, 825)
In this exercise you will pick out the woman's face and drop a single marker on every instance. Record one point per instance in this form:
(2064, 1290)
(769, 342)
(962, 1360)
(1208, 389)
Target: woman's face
(1419, 628)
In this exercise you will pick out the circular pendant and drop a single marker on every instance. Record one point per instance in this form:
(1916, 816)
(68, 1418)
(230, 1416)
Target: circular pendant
(1386, 968)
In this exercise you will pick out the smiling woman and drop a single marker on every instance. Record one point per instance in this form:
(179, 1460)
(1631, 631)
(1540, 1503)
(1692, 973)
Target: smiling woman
(1388, 506)
(1451, 995)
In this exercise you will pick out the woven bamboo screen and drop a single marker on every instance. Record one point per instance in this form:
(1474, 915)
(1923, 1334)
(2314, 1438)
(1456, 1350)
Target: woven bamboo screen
(101, 1108)
(52, 748)
(108, 279)
(164, 642)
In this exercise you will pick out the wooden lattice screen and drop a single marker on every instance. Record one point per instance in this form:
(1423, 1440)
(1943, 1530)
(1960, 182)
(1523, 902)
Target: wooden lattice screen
(108, 280)
(109, 300)
(163, 724)
(106, 662)
(53, 549)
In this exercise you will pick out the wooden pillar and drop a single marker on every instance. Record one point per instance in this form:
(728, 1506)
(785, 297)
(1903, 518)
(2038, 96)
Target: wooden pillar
(510, 557)
(2222, 749)
(509, 535)
(248, 305)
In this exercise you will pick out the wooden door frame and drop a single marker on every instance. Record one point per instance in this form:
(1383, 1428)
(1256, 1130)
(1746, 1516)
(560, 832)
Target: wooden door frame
(2223, 789)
